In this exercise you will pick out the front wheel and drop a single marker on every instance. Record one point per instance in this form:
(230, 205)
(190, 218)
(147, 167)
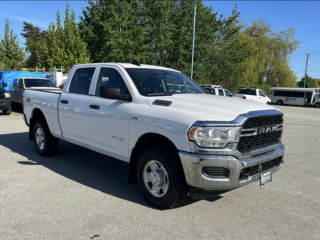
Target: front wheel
(7, 112)
(317, 105)
(44, 142)
(161, 178)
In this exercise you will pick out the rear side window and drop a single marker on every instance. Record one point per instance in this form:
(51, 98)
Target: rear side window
(20, 82)
(81, 80)
(211, 91)
(248, 91)
(220, 92)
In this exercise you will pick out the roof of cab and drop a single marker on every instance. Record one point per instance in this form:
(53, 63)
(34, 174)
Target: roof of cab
(129, 65)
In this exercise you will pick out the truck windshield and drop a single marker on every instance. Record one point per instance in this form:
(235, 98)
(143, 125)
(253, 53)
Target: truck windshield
(38, 83)
(152, 82)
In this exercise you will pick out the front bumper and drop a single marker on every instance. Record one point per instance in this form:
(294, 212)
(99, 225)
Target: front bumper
(193, 169)
(5, 103)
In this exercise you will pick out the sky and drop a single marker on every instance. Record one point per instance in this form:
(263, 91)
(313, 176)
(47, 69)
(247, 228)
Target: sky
(303, 16)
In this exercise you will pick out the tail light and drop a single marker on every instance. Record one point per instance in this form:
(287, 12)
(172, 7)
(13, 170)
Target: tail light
(244, 97)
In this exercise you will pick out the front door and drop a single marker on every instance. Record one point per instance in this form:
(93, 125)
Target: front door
(108, 119)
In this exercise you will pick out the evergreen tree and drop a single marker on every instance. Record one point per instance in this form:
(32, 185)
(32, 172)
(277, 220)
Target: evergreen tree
(64, 46)
(34, 39)
(114, 31)
(11, 54)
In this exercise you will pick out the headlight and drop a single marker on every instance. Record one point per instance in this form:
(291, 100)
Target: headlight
(214, 137)
(7, 95)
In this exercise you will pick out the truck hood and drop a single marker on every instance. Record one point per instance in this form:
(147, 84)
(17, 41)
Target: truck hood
(207, 107)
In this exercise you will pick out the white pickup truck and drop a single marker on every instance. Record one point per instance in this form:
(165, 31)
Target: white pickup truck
(253, 94)
(177, 143)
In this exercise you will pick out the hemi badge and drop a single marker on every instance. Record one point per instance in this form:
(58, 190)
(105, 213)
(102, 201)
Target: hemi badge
(162, 103)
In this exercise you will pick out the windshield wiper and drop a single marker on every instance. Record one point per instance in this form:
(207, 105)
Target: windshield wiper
(160, 94)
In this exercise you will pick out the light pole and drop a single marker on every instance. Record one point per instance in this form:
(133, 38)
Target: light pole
(194, 33)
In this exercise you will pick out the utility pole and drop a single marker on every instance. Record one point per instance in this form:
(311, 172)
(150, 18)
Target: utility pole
(305, 72)
(194, 33)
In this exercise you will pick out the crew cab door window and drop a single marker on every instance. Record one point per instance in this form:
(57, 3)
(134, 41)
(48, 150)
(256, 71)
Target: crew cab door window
(81, 80)
(220, 92)
(111, 78)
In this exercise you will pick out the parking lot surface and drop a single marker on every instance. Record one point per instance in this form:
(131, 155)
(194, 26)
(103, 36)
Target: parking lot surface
(81, 194)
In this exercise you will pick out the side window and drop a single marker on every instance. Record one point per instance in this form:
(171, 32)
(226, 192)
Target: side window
(111, 78)
(20, 82)
(15, 81)
(81, 80)
(261, 93)
(220, 92)
(227, 93)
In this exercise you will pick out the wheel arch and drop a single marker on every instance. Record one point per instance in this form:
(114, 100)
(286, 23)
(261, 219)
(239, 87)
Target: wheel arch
(37, 114)
(145, 141)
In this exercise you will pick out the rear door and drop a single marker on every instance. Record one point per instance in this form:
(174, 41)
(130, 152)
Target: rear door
(73, 107)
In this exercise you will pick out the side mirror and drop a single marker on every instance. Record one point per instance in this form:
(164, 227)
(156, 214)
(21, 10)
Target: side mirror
(4, 84)
(16, 86)
(113, 93)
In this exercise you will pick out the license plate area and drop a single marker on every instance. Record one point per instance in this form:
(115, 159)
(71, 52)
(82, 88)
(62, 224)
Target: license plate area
(265, 178)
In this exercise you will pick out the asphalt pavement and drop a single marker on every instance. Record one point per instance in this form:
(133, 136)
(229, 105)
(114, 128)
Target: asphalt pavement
(81, 194)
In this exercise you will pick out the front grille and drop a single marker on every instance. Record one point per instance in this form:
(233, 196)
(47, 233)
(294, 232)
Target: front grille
(216, 172)
(262, 140)
(248, 143)
(250, 171)
(263, 121)
(1, 94)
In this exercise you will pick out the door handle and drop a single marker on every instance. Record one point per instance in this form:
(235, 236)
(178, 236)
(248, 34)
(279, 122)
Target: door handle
(94, 106)
(64, 101)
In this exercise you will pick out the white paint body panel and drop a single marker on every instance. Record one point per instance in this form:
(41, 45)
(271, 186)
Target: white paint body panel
(256, 98)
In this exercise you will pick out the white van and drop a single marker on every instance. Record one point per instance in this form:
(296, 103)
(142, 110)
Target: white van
(295, 96)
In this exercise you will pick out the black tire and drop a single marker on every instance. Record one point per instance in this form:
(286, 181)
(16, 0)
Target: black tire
(177, 189)
(42, 135)
(269, 103)
(7, 112)
(317, 105)
(280, 102)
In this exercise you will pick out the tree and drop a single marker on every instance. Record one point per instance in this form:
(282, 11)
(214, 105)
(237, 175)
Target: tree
(310, 83)
(268, 66)
(114, 31)
(11, 54)
(63, 46)
(34, 39)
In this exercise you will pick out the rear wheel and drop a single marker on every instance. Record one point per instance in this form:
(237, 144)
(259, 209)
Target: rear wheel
(317, 105)
(7, 112)
(280, 102)
(161, 178)
(44, 142)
